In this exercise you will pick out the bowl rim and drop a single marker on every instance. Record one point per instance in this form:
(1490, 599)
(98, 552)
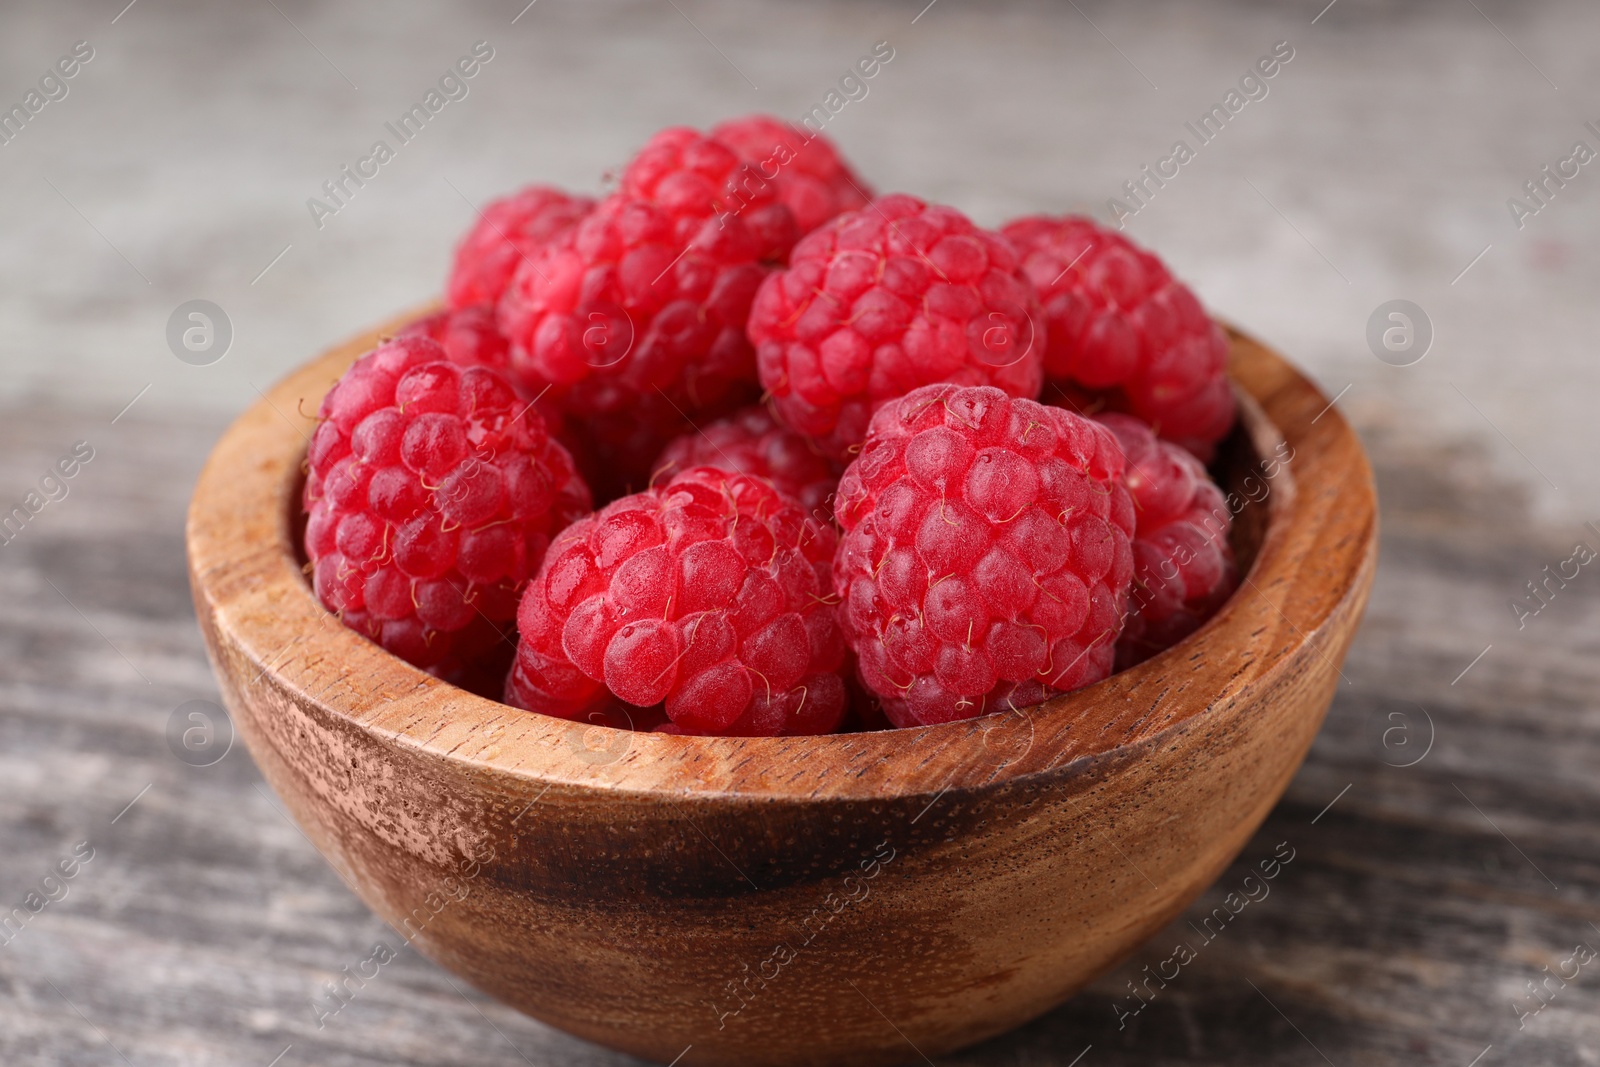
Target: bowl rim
(254, 600)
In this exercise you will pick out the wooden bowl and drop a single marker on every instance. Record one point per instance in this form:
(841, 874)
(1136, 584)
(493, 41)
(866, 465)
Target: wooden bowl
(863, 898)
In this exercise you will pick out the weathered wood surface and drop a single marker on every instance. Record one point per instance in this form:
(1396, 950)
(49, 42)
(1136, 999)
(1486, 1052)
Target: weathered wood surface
(1414, 911)
(1406, 923)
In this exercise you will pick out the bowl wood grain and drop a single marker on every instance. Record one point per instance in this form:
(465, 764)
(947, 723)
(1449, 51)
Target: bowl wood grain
(853, 899)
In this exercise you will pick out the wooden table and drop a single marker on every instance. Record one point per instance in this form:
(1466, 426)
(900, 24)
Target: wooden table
(1421, 899)
(1445, 831)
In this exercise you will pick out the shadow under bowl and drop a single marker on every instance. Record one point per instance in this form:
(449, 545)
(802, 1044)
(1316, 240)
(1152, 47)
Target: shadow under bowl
(852, 899)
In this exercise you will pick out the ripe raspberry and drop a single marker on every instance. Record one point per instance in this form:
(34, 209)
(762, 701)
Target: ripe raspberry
(710, 593)
(985, 561)
(469, 336)
(689, 175)
(507, 231)
(752, 442)
(1183, 566)
(602, 449)
(635, 319)
(882, 300)
(432, 492)
(1121, 325)
(812, 178)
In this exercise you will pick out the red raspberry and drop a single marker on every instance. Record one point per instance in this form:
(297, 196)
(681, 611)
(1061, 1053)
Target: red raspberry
(1121, 325)
(812, 178)
(508, 231)
(710, 593)
(635, 318)
(609, 450)
(882, 300)
(689, 175)
(432, 492)
(469, 335)
(1183, 566)
(752, 442)
(985, 561)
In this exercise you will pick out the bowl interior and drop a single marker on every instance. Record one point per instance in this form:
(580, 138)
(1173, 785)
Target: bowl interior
(1236, 468)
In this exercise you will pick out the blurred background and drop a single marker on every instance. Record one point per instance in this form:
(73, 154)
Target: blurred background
(1447, 825)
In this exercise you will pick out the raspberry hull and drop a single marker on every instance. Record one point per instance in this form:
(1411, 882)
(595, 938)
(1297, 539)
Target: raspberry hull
(985, 562)
(879, 301)
(1183, 567)
(709, 595)
(1123, 328)
(432, 492)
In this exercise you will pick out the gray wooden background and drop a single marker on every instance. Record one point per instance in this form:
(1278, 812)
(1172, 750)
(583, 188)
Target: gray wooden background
(1447, 825)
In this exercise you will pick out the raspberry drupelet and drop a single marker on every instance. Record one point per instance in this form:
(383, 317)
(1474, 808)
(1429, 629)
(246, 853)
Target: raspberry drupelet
(1183, 567)
(1122, 327)
(879, 301)
(432, 491)
(710, 595)
(985, 562)
(508, 231)
(811, 177)
(752, 442)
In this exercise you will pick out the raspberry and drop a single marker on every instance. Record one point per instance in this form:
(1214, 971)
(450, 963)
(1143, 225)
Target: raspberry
(752, 442)
(882, 300)
(812, 179)
(603, 449)
(469, 336)
(709, 594)
(508, 231)
(635, 320)
(608, 450)
(689, 175)
(432, 492)
(1121, 325)
(985, 561)
(1183, 566)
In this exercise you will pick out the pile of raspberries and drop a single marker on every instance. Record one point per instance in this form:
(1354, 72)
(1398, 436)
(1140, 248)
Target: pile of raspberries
(745, 449)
